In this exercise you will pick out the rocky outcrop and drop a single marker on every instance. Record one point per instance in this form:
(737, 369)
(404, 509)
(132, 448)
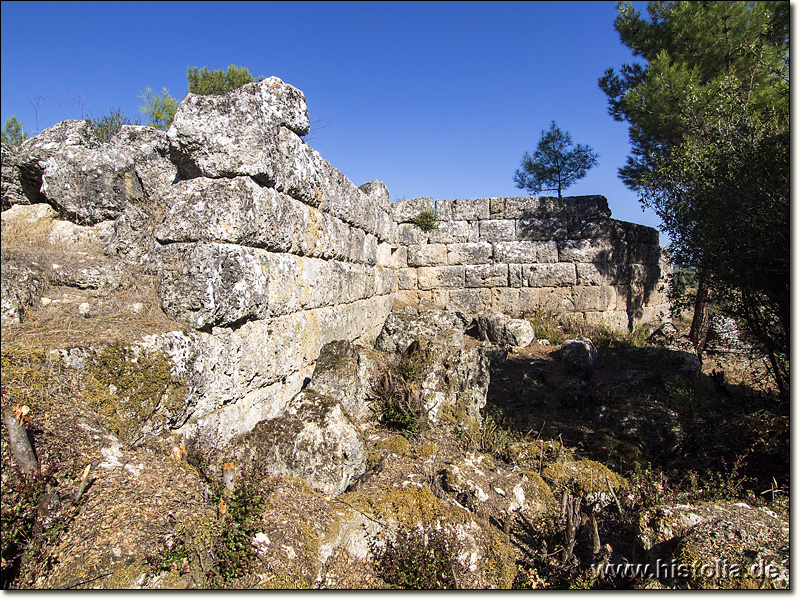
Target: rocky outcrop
(407, 324)
(716, 546)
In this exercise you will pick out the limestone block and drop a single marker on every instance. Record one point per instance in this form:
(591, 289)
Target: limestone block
(543, 229)
(471, 301)
(470, 210)
(506, 301)
(515, 275)
(526, 252)
(399, 258)
(524, 207)
(602, 273)
(377, 192)
(407, 279)
(488, 276)
(454, 232)
(502, 330)
(444, 210)
(383, 256)
(549, 274)
(616, 320)
(650, 273)
(528, 300)
(210, 284)
(313, 439)
(498, 230)
(556, 299)
(595, 297)
(409, 234)
(497, 208)
(469, 253)
(592, 251)
(429, 278)
(633, 232)
(405, 211)
(648, 254)
(427, 255)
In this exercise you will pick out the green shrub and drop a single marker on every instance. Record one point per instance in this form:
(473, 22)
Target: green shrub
(107, 126)
(426, 220)
(13, 134)
(206, 82)
(159, 109)
(419, 558)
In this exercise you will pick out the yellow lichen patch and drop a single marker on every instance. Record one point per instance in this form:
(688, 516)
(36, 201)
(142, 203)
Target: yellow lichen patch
(536, 451)
(128, 388)
(396, 444)
(581, 477)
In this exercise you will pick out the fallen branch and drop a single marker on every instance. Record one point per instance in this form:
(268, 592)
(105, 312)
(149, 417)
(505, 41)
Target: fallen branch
(20, 444)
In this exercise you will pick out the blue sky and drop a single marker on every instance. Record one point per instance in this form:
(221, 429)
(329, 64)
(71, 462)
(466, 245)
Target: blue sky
(435, 99)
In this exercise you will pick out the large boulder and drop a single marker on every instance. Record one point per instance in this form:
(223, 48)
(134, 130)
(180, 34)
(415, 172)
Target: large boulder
(453, 381)
(580, 355)
(344, 371)
(86, 181)
(407, 324)
(716, 545)
(313, 439)
(502, 330)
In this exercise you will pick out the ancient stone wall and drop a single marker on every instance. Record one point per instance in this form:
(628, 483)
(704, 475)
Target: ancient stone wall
(264, 252)
(521, 255)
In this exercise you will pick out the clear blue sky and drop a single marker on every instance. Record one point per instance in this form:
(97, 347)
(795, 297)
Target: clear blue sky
(435, 99)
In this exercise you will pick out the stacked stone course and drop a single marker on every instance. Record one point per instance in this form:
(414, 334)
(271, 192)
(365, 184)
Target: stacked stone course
(521, 255)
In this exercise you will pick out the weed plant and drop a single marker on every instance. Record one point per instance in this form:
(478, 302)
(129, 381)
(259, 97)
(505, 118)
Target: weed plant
(419, 558)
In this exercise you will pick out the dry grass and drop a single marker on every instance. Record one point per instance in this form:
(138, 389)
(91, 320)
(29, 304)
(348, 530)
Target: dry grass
(126, 310)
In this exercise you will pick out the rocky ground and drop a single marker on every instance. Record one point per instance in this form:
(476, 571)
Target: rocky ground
(552, 461)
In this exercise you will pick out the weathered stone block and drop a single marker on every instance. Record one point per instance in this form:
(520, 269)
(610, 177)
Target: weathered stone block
(602, 273)
(377, 192)
(497, 208)
(405, 211)
(507, 301)
(471, 301)
(470, 210)
(498, 230)
(543, 229)
(429, 278)
(596, 297)
(486, 276)
(428, 255)
(557, 299)
(592, 251)
(453, 232)
(650, 273)
(549, 275)
(470, 253)
(515, 275)
(407, 279)
(409, 234)
(526, 252)
(616, 320)
(648, 254)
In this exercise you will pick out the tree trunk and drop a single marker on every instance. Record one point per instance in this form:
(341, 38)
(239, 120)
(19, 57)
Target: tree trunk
(701, 320)
(20, 444)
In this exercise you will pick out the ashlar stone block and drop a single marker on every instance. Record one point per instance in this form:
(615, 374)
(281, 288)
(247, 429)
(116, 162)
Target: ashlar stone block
(427, 255)
(488, 276)
(470, 253)
(430, 278)
(498, 230)
(549, 275)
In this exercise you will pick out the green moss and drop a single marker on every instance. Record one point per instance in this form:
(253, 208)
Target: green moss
(129, 387)
(32, 375)
(396, 444)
